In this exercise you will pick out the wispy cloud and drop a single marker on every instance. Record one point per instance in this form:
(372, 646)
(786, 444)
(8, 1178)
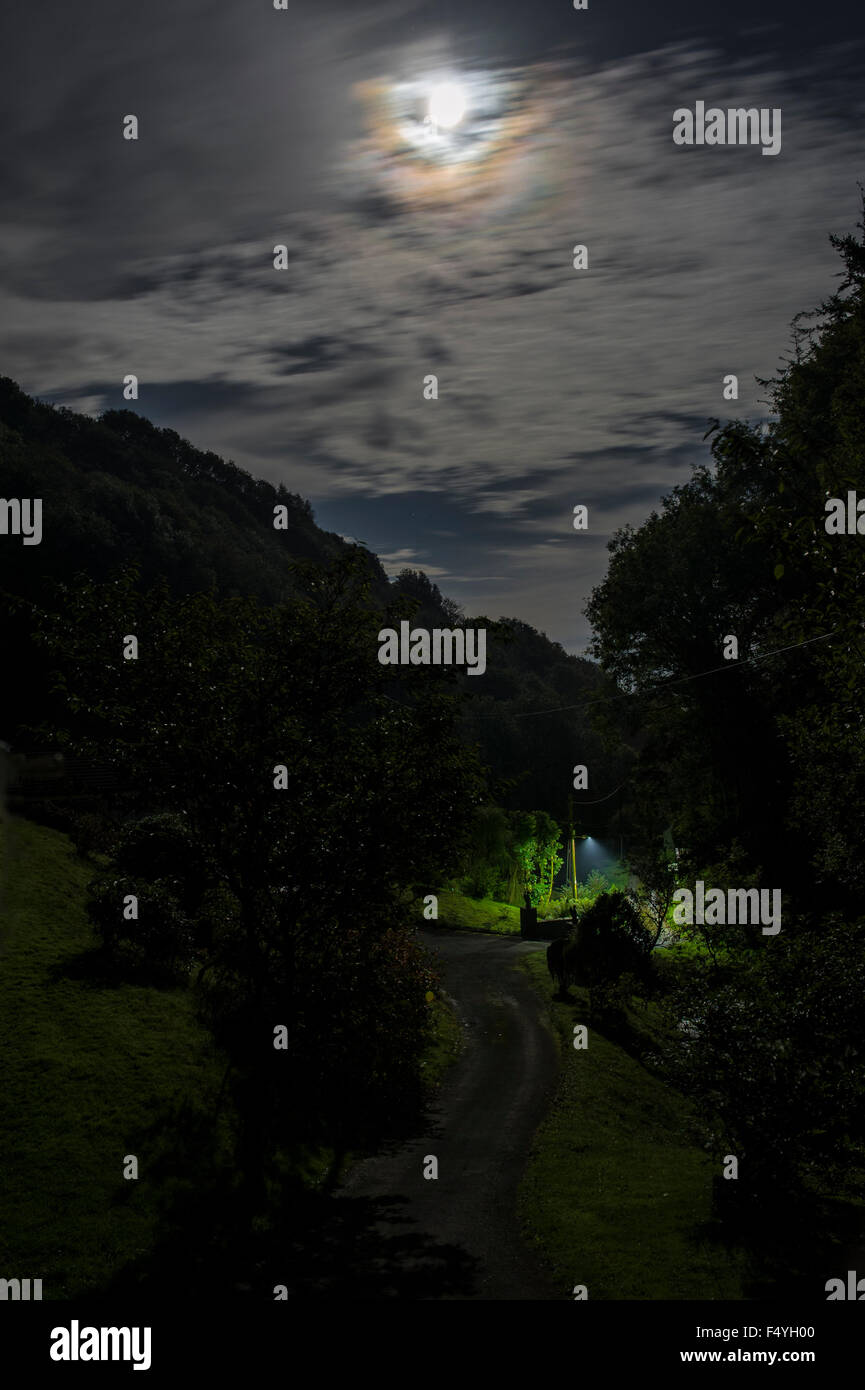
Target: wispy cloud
(555, 386)
(398, 560)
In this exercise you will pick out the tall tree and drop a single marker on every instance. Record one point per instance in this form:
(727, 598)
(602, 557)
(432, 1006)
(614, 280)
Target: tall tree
(315, 788)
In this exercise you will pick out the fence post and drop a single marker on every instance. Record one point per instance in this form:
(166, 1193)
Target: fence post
(528, 918)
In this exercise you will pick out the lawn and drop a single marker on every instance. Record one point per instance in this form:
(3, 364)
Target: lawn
(617, 1192)
(474, 914)
(87, 1066)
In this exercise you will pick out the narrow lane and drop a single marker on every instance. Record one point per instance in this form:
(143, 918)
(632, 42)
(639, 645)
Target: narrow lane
(458, 1233)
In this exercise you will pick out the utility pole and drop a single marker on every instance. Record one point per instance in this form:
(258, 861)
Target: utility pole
(573, 845)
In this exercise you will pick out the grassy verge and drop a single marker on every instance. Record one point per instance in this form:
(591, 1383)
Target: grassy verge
(473, 914)
(617, 1193)
(86, 1067)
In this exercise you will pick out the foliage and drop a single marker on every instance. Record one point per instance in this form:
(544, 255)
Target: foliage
(596, 884)
(522, 747)
(490, 859)
(773, 1055)
(161, 938)
(757, 766)
(611, 940)
(162, 865)
(482, 881)
(305, 921)
(160, 845)
(674, 588)
(537, 840)
(123, 490)
(91, 831)
(657, 877)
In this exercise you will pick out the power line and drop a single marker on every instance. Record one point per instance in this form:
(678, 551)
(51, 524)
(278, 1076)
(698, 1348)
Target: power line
(680, 680)
(578, 804)
(677, 680)
(656, 685)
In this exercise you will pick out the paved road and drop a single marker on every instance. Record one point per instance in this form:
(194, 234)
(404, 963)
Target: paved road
(456, 1237)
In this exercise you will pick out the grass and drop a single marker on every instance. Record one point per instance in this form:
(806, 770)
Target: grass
(484, 914)
(86, 1068)
(474, 914)
(617, 1192)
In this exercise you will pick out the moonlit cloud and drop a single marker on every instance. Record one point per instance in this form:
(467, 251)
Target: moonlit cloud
(406, 558)
(406, 259)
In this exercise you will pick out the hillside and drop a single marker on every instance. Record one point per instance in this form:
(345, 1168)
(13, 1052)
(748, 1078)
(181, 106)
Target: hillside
(117, 490)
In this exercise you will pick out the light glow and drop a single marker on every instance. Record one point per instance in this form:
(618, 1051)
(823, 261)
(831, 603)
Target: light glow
(447, 105)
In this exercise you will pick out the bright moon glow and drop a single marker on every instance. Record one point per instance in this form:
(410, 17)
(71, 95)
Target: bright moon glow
(447, 104)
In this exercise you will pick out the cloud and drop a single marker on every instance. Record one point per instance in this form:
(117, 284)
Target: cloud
(398, 560)
(555, 386)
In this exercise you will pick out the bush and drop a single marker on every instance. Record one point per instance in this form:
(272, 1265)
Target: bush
(612, 938)
(774, 1056)
(162, 846)
(610, 999)
(482, 881)
(374, 992)
(596, 884)
(90, 832)
(558, 906)
(160, 940)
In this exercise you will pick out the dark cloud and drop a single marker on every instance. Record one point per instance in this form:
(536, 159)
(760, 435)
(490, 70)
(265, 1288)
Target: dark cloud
(556, 387)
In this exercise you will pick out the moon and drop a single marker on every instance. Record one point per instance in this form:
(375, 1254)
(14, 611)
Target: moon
(447, 104)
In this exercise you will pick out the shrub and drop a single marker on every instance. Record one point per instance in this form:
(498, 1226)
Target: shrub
(161, 846)
(90, 832)
(481, 881)
(612, 937)
(596, 884)
(161, 939)
(773, 1056)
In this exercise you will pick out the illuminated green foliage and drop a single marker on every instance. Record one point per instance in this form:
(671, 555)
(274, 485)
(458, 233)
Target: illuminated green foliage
(537, 841)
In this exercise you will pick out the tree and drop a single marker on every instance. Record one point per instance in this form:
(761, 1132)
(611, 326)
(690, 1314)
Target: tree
(432, 608)
(537, 840)
(657, 877)
(773, 1057)
(313, 796)
(673, 590)
(758, 765)
(813, 450)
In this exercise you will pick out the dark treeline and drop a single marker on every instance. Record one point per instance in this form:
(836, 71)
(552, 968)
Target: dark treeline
(755, 772)
(119, 491)
(531, 715)
(116, 491)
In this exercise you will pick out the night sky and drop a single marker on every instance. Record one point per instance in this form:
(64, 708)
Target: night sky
(412, 252)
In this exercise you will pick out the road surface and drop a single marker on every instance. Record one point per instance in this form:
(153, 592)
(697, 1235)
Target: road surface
(456, 1237)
